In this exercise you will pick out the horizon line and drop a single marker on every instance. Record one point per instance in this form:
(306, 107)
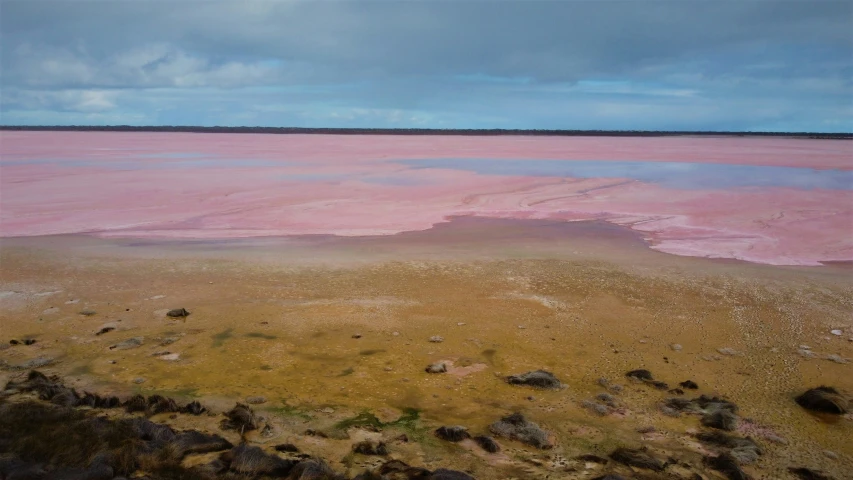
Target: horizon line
(415, 131)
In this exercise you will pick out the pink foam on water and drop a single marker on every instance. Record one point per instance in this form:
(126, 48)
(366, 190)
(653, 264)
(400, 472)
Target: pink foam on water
(159, 185)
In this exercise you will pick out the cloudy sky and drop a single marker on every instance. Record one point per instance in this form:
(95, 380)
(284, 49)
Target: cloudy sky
(640, 64)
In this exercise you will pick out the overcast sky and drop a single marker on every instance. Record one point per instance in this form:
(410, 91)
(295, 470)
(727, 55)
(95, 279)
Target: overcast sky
(641, 64)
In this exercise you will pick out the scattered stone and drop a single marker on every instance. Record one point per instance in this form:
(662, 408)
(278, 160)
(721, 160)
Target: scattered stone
(356, 336)
(34, 363)
(240, 418)
(639, 458)
(194, 408)
(727, 465)
(658, 384)
(14, 342)
(689, 384)
(193, 441)
(830, 454)
(396, 334)
(327, 410)
(616, 388)
(536, 378)
(588, 457)
(728, 351)
(595, 407)
(286, 447)
(604, 382)
(138, 380)
(88, 312)
(676, 391)
(487, 443)
(837, 333)
(452, 434)
(459, 324)
(641, 374)
(105, 329)
(436, 339)
(516, 427)
(128, 344)
(439, 367)
(610, 476)
(776, 438)
(168, 341)
(370, 448)
(676, 347)
(837, 359)
(256, 400)
(254, 462)
(29, 341)
(648, 429)
(178, 313)
(823, 399)
(809, 474)
(170, 357)
(721, 419)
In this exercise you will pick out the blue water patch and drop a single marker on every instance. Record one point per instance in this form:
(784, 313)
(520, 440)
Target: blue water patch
(671, 174)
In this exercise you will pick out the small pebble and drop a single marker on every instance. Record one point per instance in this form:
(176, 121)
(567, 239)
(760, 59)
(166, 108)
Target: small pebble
(648, 429)
(644, 341)
(521, 327)
(436, 339)
(830, 454)
(396, 334)
(356, 335)
(138, 380)
(328, 410)
(675, 347)
(256, 400)
(836, 332)
(460, 323)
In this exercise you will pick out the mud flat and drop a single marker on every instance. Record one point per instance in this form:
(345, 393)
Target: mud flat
(328, 339)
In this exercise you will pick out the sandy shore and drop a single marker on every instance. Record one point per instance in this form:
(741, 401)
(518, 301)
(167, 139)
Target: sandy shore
(278, 318)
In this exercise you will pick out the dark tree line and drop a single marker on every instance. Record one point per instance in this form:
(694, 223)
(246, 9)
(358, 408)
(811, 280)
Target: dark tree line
(418, 131)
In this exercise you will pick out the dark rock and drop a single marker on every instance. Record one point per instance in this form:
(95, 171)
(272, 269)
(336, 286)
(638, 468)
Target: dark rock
(397, 470)
(193, 441)
(452, 434)
(721, 439)
(14, 342)
(370, 448)
(588, 457)
(641, 374)
(194, 408)
(714, 403)
(159, 404)
(610, 476)
(445, 474)
(516, 427)
(313, 470)
(178, 313)
(728, 466)
(809, 474)
(824, 399)
(536, 378)
(637, 458)
(254, 461)
(240, 418)
(286, 447)
(676, 391)
(104, 330)
(66, 397)
(689, 384)
(487, 443)
(29, 341)
(658, 384)
(721, 419)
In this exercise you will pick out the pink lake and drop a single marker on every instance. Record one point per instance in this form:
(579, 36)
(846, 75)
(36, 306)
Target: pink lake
(781, 201)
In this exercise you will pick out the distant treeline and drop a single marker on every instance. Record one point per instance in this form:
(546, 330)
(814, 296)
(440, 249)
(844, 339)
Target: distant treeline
(418, 131)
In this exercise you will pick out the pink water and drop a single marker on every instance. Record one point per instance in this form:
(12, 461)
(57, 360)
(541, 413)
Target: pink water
(228, 185)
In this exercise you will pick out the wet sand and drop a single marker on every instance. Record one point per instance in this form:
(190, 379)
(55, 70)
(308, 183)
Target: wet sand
(276, 317)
